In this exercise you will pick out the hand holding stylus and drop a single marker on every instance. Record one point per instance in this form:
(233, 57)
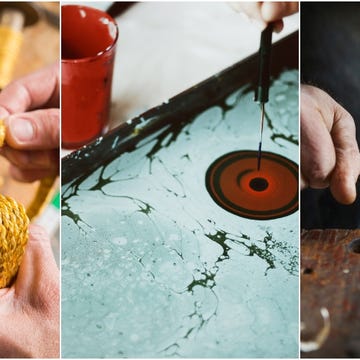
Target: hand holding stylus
(329, 151)
(264, 12)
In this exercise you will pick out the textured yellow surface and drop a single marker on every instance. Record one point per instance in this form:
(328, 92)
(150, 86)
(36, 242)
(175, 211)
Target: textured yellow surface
(13, 238)
(14, 222)
(13, 232)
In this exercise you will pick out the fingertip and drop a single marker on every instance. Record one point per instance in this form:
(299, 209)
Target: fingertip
(345, 175)
(19, 131)
(35, 130)
(278, 26)
(304, 183)
(343, 188)
(271, 11)
(261, 24)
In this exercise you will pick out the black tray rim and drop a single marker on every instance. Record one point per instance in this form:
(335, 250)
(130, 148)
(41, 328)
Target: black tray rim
(211, 91)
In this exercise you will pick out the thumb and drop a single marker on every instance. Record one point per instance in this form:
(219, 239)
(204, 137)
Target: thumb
(38, 273)
(35, 130)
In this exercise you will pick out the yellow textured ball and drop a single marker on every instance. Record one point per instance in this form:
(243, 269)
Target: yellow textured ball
(14, 225)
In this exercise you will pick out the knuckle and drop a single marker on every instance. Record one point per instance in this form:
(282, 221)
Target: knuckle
(318, 175)
(22, 94)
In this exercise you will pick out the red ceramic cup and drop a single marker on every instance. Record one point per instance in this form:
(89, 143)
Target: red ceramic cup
(88, 41)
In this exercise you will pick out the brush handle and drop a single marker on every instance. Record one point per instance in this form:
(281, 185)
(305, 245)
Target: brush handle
(263, 83)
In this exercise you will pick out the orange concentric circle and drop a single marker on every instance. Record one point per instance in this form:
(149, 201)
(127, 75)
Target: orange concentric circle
(235, 184)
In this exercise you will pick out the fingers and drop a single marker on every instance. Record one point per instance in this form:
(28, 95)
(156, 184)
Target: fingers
(272, 11)
(347, 169)
(303, 182)
(32, 137)
(318, 157)
(37, 90)
(31, 166)
(32, 160)
(31, 175)
(343, 180)
(36, 130)
(38, 160)
(33, 140)
(278, 26)
(265, 12)
(252, 10)
(329, 150)
(38, 277)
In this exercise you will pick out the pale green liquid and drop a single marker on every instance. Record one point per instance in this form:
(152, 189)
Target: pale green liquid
(152, 267)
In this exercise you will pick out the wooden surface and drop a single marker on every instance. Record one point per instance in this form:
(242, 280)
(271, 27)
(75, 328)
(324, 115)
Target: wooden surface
(40, 48)
(330, 278)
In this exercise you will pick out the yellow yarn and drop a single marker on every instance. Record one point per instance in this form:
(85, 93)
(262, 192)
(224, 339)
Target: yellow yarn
(42, 197)
(2, 133)
(13, 238)
(10, 45)
(14, 221)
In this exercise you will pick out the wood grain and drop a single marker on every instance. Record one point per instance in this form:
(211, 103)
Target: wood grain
(330, 278)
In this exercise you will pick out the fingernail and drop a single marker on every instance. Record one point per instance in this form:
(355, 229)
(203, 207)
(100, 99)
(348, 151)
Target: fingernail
(21, 130)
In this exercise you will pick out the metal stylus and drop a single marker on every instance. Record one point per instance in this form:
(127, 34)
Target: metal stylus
(263, 83)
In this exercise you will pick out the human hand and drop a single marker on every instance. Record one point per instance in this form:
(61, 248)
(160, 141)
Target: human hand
(329, 151)
(264, 12)
(30, 107)
(29, 309)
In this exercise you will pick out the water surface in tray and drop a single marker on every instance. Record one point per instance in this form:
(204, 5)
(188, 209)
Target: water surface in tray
(152, 267)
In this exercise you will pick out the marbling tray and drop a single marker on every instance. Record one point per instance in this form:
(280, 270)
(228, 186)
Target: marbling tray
(151, 265)
(178, 109)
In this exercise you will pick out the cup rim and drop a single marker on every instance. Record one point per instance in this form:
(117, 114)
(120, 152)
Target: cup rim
(101, 53)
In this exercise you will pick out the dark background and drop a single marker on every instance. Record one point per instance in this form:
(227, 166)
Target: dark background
(330, 60)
